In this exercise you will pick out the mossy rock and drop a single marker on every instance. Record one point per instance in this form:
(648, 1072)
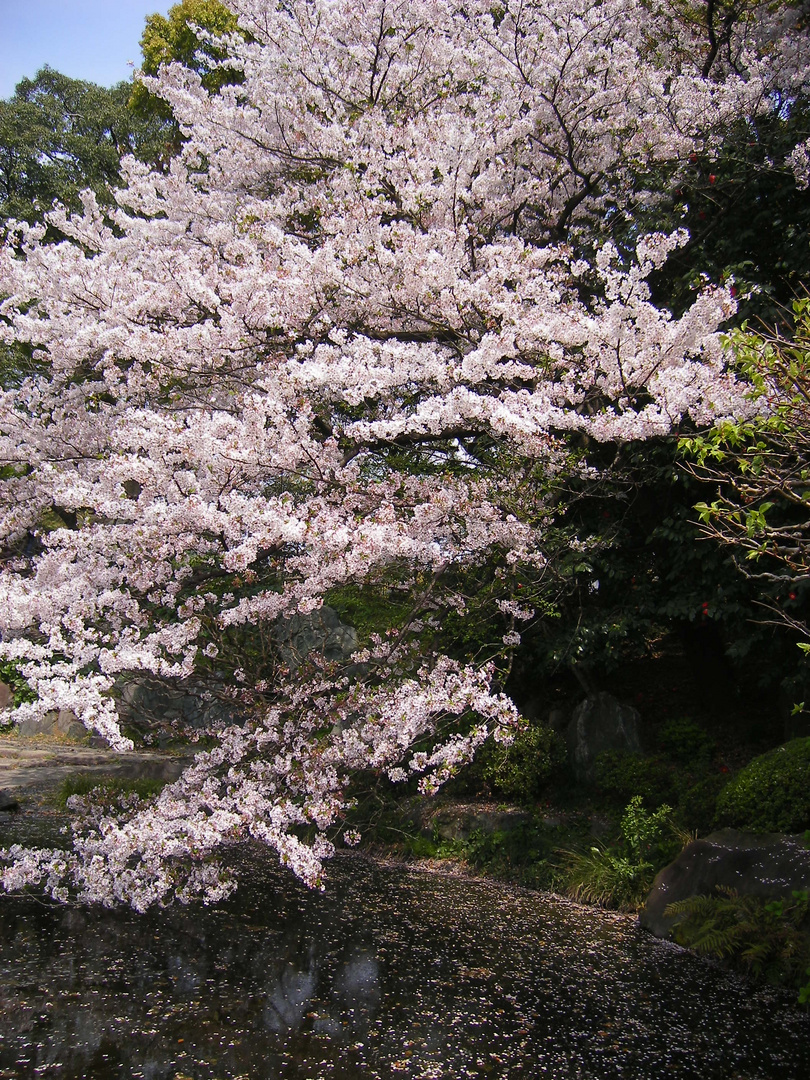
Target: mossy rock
(772, 793)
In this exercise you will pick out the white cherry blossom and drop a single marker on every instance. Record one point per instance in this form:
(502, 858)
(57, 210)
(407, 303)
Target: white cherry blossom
(278, 369)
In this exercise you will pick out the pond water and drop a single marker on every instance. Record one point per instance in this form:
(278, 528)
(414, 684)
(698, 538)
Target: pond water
(390, 973)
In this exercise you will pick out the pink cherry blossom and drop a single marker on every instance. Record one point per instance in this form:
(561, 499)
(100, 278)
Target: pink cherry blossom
(268, 374)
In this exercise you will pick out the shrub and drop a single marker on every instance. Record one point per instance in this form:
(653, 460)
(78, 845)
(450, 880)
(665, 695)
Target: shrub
(605, 877)
(621, 776)
(521, 854)
(20, 690)
(519, 771)
(686, 742)
(697, 804)
(648, 835)
(772, 793)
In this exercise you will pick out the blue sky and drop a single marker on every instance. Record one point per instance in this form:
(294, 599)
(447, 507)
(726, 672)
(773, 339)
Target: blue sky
(86, 39)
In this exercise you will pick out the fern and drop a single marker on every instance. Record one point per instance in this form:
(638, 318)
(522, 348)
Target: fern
(769, 939)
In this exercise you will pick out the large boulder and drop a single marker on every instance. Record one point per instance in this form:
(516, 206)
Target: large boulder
(57, 722)
(766, 865)
(162, 704)
(321, 631)
(170, 704)
(600, 723)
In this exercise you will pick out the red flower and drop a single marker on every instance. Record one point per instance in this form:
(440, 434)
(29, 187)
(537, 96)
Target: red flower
(712, 178)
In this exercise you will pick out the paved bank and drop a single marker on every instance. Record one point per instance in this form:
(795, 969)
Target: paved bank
(31, 769)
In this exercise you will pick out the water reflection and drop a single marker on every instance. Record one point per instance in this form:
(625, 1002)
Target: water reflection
(389, 973)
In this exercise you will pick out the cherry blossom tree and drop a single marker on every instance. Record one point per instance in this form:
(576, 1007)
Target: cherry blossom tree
(349, 339)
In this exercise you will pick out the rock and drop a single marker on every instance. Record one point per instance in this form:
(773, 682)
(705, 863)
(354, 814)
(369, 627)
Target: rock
(600, 723)
(767, 865)
(146, 700)
(63, 722)
(160, 703)
(320, 631)
(43, 725)
(69, 725)
(6, 696)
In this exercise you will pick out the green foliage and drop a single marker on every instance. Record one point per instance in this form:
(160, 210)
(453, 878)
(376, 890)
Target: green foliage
(21, 691)
(621, 877)
(607, 878)
(769, 939)
(523, 855)
(772, 793)
(746, 216)
(645, 831)
(686, 742)
(655, 575)
(107, 790)
(760, 470)
(418, 846)
(697, 803)
(59, 136)
(683, 778)
(171, 38)
(519, 772)
(620, 777)
(369, 609)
